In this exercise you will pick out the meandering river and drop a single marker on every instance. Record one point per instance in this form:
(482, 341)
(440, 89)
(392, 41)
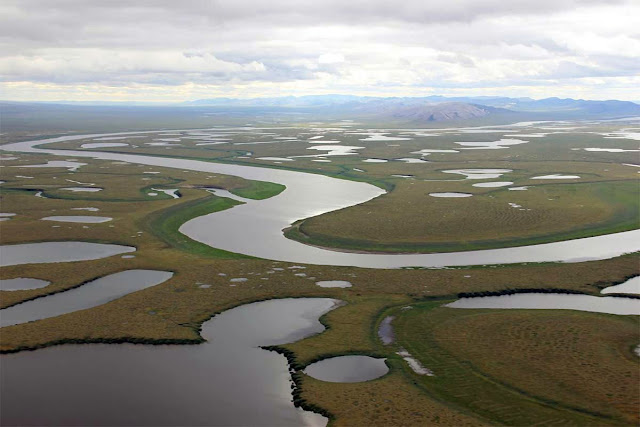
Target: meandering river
(228, 380)
(255, 228)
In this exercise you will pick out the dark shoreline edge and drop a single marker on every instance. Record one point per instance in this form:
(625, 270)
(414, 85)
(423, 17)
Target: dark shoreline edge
(295, 370)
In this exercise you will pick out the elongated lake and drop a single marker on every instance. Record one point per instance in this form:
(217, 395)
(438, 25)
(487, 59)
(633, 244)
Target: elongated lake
(45, 252)
(611, 305)
(94, 293)
(226, 381)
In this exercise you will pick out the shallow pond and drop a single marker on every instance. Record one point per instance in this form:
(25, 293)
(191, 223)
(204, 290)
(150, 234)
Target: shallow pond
(91, 294)
(45, 252)
(78, 218)
(347, 369)
(450, 195)
(103, 145)
(631, 286)
(227, 380)
(411, 160)
(334, 284)
(609, 150)
(492, 145)
(414, 363)
(479, 173)
(493, 184)
(71, 166)
(6, 216)
(22, 283)
(89, 209)
(610, 305)
(83, 189)
(556, 176)
(385, 330)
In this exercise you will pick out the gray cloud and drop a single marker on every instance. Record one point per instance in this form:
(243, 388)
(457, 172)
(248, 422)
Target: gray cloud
(312, 46)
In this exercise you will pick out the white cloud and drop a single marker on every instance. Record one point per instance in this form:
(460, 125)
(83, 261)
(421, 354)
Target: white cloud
(330, 58)
(166, 50)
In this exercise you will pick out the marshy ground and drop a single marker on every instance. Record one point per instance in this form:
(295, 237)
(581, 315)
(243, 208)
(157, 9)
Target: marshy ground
(586, 371)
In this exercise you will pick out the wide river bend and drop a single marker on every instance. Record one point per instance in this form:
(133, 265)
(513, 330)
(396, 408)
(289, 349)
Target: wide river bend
(255, 228)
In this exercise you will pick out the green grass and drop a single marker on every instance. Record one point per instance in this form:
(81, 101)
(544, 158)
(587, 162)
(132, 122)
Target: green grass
(523, 367)
(166, 223)
(259, 190)
(408, 220)
(173, 311)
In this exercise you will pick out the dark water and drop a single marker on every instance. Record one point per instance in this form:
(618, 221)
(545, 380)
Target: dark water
(227, 381)
(347, 369)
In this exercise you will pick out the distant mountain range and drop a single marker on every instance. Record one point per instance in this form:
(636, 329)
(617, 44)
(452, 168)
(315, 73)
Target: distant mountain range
(418, 111)
(438, 108)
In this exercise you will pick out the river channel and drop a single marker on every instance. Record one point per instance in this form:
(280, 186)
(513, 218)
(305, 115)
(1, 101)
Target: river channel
(255, 228)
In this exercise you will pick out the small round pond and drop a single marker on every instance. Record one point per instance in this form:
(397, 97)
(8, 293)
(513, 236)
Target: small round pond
(347, 369)
(493, 184)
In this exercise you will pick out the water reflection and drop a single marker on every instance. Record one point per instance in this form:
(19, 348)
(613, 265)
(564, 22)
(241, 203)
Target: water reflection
(94, 293)
(45, 252)
(347, 369)
(611, 305)
(255, 228)
(226, 381)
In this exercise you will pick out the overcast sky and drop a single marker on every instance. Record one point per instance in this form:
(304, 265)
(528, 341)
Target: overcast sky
(175, 50)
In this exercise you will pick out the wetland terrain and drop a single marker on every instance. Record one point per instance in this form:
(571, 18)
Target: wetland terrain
(298, 272)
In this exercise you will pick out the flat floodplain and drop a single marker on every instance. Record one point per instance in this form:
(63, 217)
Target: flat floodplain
(600, 198)
(207, 280)
(562, 364)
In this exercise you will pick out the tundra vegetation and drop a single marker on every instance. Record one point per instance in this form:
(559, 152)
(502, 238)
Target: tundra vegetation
(586, 370)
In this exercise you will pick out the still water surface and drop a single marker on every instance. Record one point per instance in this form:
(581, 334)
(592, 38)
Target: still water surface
(631, 286)
(22, 283)
(611, 305)
(226, 381)
(347, 369)
(91, 294)
(45, 252)
(255, 228)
